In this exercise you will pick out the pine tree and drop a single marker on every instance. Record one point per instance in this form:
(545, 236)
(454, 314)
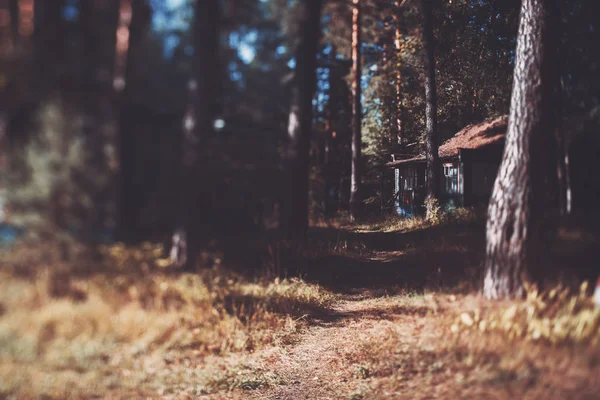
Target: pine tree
(526, 185)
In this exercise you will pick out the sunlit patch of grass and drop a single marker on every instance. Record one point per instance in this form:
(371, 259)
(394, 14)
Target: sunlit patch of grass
(395, 223)
(391, 223)
(417, 357)
(73, 330)
(558, 316)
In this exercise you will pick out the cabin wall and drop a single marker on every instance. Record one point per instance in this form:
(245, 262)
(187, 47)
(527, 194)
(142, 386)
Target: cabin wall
(410, 186)
(479, 170)
(465, 181)
(451, 193)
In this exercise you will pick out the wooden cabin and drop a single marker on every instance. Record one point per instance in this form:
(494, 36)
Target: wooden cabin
(469, 164)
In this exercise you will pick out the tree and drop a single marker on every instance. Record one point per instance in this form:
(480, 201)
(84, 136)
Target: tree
(355, 177)
(398, 47)
(526, 185)
(295, 205)
(433, 161)
(49, 42)
(133, 22)
(197, 126)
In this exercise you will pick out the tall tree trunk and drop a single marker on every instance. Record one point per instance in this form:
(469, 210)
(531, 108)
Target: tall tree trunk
(126, 35)
(49, 39)
(6, 50)
(433, 161)
(387, 101)
(562, 154)
(526, 186)
(355, 175)
(562, 171)
(294, 209)
(134, 17)
(398, 46)
(6, 29)
(330, 144)
(197, 126)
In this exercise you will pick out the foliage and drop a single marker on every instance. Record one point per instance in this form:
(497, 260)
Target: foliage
(433, 210)
(61, 175)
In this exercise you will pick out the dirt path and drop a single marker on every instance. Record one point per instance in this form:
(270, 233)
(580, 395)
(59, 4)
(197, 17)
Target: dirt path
(317, 366)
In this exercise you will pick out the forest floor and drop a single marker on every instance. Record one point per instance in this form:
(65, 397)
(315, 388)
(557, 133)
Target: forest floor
(386, 310)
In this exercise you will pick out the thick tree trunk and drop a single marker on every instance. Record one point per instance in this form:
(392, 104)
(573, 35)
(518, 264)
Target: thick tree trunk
(355, 175)
(433, 161)
(526, 186)
(294, 209)
(197, 126)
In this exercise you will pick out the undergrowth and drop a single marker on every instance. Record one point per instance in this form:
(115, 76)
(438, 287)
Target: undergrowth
(77, 322)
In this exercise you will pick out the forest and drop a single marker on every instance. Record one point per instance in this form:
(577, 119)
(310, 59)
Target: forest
(299, 199)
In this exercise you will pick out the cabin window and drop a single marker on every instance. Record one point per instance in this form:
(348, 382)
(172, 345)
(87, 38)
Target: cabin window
(451, 178)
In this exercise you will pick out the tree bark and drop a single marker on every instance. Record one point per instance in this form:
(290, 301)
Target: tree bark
(526, 185)
(433, 161)
(330, 144)
(6, 29)
(355, 175)
(398, 46)
(134, 18)
(49, 40)
(294, 209)
(197, 126)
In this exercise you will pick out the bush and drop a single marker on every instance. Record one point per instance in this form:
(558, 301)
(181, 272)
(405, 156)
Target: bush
(60, 174)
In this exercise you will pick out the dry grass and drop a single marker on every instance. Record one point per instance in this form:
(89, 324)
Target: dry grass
(394, 223)
(422, 354)
(124, 326)
(116, 321)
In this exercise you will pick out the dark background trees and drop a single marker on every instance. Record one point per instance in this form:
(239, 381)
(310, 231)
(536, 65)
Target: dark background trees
(96, 104)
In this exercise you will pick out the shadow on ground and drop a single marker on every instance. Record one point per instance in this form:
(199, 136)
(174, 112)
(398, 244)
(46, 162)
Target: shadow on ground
(435, 256)
(445, 256)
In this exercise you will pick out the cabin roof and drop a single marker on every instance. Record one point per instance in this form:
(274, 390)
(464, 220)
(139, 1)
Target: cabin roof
(472, 137)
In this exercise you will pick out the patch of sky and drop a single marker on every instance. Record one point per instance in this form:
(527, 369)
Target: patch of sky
(247, 46)
(171, 43)
(169, 16)
(236, 76)
(70, 10)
